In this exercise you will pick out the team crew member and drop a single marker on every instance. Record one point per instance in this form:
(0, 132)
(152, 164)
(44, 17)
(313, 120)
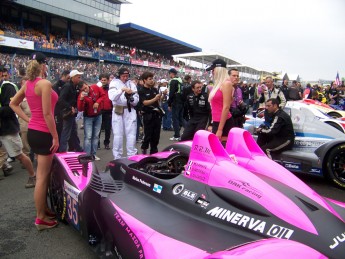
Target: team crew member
(89, 101)
(152, 114)
(221, 98)
(280, 135)
(123, 93)
(199, 111)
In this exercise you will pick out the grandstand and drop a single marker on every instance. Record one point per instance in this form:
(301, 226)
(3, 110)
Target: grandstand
(83, 34)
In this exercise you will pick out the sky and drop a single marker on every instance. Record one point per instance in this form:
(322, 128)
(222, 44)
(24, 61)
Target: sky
(304, 37)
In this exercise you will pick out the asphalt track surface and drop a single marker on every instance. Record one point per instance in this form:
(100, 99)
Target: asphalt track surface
(20, 239)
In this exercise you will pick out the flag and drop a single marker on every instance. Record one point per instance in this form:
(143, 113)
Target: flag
(132, 52)
(337, 80)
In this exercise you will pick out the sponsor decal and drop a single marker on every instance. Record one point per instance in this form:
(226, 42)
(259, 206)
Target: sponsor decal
(246, 187)
(250, 223)
(279, 232)
(130, 233)
(71, 190)
(157, 188)
(316, 170)
(141, 181)
(202, 203)
(337, 240)
(293, 166)
(178, 189)
(202, 149)
(189, 194)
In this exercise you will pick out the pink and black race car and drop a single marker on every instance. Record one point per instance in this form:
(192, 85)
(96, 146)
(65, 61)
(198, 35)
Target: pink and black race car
(215, 202)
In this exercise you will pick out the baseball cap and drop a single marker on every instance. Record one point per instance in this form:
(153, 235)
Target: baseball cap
(245, 82)
(173, 70)
(164, 81)
(74, 73)
(216, 63)
(39, 57)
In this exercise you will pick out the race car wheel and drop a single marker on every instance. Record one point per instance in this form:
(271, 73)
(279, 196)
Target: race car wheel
(56, 197)
(335, 115)
(335, 165)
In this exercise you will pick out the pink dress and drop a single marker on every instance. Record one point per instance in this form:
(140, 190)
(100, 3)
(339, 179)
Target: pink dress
(217, 106)
(37, 121)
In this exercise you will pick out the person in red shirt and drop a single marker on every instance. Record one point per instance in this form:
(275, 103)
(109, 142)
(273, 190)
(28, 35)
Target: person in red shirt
(89, 100)
(107, 111)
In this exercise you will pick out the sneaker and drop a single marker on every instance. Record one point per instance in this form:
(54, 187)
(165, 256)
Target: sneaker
(107, 147)
(7, 168)
(31, 182)
(82, 126)
(97, 158)
(175, 139)
(10, 159)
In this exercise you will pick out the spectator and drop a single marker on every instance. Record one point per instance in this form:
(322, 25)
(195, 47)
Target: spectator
(285, 88)
(107, 111)
(333, 94)
(89, 102)
(280, 135)
(68, 104)
(57, 88)
(199, 111)
(221, 98)
(238, 106)
(123, 94)
(163, 90)
(271, 92)
(175, 102)
(9, 129)
(152, 114)
(42, 134)
(294, 92)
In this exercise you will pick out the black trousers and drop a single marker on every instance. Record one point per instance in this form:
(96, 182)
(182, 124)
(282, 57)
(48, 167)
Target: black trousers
(192, 127)
(152, 130)
(106, 125)
(274, 145)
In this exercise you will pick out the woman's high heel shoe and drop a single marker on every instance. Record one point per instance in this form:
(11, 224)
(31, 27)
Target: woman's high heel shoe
(42, 225)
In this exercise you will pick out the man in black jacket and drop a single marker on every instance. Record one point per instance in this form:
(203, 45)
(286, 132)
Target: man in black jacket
(199, 111)
(152, 114)
(57, 87)
(280, 135)
(68, 104)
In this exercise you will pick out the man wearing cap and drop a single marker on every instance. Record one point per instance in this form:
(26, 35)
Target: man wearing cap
(68, 105)
(123, 93)
(175, 102)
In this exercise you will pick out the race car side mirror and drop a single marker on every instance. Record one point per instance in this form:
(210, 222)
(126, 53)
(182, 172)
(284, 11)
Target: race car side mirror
(84, 160)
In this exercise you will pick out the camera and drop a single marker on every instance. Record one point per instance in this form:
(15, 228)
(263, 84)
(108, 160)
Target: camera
(129, 97)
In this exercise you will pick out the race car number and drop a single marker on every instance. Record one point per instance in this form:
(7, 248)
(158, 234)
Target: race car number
(72, 194)
(72, 211)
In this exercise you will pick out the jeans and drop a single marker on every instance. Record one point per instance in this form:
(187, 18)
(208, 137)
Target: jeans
(92, 127)
(69, 135)
(167, 116)
(177, 118)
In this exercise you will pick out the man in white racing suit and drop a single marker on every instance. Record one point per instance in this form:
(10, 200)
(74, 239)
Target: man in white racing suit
(123, 93)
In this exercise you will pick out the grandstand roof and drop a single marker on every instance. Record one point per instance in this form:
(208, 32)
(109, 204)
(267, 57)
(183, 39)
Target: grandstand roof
(207, 57)
(131, 34)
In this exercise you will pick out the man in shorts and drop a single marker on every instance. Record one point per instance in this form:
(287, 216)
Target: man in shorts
(9, 130)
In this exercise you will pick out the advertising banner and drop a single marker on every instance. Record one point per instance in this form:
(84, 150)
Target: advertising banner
(16, 43)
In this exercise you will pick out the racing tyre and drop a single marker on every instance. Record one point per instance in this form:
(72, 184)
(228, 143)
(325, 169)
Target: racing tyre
(56, 197)
(336, 165)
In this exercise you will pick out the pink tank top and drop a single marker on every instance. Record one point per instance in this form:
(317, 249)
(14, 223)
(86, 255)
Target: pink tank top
(37, 121)
(217, 106)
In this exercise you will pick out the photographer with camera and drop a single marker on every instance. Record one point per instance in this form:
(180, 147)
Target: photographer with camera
(123, 93)
(279, 136)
